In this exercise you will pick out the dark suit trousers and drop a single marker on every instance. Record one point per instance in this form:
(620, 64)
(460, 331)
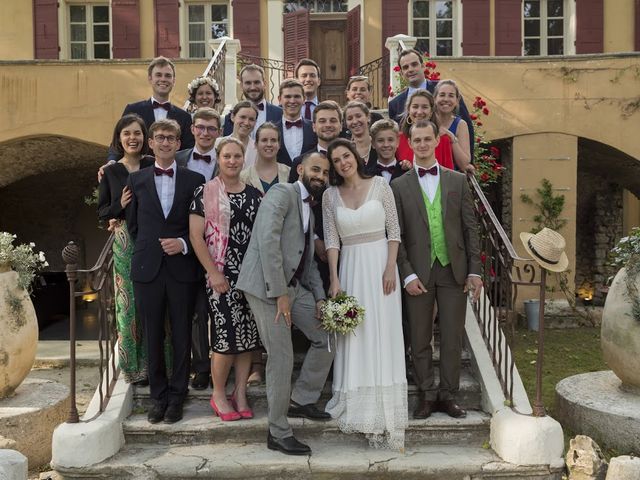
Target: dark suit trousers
(200, 362)
(164, 293)
(452, 305)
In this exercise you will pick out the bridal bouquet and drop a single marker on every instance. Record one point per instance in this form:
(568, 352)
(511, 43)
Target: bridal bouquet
(341, 314)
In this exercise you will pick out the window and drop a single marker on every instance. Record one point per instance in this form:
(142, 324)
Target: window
(89, 31)
(544, 27)
(434, 25)
(206, 22)
(315, 6)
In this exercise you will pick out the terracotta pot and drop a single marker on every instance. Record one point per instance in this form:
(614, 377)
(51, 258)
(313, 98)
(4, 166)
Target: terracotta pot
(18, 332)
(620, 333)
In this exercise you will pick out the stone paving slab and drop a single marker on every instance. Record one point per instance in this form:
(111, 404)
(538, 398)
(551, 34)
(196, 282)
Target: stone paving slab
(55, 353)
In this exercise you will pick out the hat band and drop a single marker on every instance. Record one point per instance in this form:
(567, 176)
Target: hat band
(540, 256)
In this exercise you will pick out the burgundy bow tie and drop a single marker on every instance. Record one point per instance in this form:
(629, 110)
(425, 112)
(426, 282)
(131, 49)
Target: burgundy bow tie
(383, 168)
(297, 123)
(322, 151)
(160, 171)
(312, 203)
(431, 171)
(206, 158)
(166, 105)
(260, 106)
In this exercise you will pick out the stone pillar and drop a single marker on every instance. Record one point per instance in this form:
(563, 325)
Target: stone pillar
(13, 465)
(230, 66)
(552, 156)
(392, 45)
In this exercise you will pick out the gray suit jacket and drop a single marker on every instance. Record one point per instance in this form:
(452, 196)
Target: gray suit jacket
(460, 226)
(276, 247)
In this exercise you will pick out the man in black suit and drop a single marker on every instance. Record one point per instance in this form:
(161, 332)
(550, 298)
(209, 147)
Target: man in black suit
(307, 72)
(201, 159)
(252, 81)
(296, 134)
(164, 270)
(162, 78)
(412, 70)
(384, 138)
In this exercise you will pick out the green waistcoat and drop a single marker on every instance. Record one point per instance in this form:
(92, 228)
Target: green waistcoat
(436, 228)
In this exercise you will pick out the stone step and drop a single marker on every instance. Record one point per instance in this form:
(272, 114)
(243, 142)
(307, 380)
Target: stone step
(200, 426)
(469, 395)
(344, 459)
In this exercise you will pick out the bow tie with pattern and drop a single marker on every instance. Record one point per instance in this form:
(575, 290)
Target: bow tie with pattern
(297, 123)
(206, 158)
(312, 203)
(161, 171)
(431, 171)
(166, 105)
(383, 168)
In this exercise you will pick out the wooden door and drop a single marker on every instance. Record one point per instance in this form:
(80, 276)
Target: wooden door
(329, 48)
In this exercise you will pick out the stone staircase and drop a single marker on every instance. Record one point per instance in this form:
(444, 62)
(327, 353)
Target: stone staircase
(201, 446)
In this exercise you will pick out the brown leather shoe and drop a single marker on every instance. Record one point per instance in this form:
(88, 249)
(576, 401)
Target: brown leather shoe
(424, 409)
(451, 408)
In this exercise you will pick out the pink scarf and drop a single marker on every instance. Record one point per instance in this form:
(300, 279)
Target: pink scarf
(217, 217)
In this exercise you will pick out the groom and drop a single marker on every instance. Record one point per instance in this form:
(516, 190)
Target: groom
(281, 282)
(439, 260)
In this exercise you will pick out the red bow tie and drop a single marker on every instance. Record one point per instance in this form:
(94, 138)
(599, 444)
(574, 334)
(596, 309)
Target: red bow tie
(431, 171)
(166, 105)
(206, 158)
(260, 106)
(297, 123)
(383, 168)
(160, 171)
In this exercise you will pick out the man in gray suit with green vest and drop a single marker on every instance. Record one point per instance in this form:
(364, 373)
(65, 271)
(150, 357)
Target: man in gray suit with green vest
(439, 261)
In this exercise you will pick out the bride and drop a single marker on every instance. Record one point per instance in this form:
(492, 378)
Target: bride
(361, 227)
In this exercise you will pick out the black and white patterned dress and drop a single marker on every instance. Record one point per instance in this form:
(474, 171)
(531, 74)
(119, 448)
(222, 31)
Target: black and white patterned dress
(233, 328)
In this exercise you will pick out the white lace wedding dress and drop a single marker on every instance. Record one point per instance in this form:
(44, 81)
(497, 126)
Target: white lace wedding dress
(369, 381)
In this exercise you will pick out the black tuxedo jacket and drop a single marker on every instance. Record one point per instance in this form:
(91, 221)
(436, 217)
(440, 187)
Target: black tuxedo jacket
(274, 115)
(397, 104)
(182, 159)
(309, 141)
(147, 224)
(144, 108)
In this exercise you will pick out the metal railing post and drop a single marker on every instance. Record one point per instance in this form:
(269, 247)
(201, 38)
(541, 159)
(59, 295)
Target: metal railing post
(70, 257)
(538, 406)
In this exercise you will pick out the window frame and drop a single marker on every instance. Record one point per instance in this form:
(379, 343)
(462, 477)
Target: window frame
(568, 29)
(456, 27)
(185, 41)
(64, 28)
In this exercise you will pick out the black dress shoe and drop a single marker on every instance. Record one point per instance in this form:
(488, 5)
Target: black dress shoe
(156, 412)
(200, 381)
(424, 409)
(451, 408)
(287, 445)
(307, 411)
(141, 383)
(173, 413)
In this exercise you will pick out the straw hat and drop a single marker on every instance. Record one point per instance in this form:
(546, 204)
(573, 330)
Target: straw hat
(547, 248)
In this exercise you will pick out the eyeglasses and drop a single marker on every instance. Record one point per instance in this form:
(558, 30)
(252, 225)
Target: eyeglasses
(208, 128)
(163, 138)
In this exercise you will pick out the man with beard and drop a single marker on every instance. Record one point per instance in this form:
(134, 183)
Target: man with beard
(283, 287)
(252, 80)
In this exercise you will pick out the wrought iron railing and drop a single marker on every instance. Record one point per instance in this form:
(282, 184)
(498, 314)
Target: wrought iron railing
(275, 71)
(97, 284)
(377, 72)
(503, 272)
(216, 70)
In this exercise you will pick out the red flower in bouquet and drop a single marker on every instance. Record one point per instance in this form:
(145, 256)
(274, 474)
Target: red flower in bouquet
(495, 152)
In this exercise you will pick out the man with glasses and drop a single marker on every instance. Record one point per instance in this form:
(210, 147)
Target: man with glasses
(252, 81)
(201, 159)
(164, 270)
(161, 75)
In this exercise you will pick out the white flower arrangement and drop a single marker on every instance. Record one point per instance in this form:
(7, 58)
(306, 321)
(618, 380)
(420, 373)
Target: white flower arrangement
(22, 258)
(342, 314)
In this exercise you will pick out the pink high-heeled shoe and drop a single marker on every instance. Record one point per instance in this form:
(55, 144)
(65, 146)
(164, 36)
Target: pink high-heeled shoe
(246, 414)
(225, 417)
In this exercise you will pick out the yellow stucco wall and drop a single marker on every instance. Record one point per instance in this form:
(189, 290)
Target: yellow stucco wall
(619, 19)
(147, 29)
(264, 29)
(16, 30)
(372, 33)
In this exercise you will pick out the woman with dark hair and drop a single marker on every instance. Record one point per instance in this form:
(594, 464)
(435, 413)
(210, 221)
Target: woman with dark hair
(130, 142)
(203, 92)
(220, 223)
(361, 230)
(243, 117)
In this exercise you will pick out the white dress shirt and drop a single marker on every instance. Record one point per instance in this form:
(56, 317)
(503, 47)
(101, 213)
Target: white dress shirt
(262, 117)
(306, 208)
(386, 175)
(159, 113)
(166, 188)
(429, 183)
(202, 167)
(292, 138)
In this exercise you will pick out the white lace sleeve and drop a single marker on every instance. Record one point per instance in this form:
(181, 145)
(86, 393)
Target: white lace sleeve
(331, 236)
(390, 212)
